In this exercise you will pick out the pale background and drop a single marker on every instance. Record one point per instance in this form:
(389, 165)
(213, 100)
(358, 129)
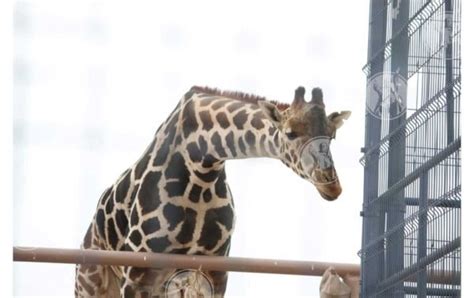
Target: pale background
(94, 79)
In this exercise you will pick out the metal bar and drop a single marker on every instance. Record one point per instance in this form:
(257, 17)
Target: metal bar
(439, 277)
(405, 273)
(434, 292)
(448, 31)
(175, 261)
(395, 208)
(160, 260)
(422, 234)
(450, 149)
(373, 220)
(435, 203)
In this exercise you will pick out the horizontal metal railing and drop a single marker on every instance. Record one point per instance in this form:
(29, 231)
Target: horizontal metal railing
(431, 258)
(433, 161)
(176, 261)
(434, 292)
(410, 223)
(435, 202)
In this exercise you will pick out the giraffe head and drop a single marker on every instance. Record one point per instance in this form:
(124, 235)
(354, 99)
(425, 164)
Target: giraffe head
(306, 136)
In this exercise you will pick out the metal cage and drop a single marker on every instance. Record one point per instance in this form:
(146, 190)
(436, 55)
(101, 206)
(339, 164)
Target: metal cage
(412, 164)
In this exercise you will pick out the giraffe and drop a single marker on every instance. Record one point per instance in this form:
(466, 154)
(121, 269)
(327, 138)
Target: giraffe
(175, 198)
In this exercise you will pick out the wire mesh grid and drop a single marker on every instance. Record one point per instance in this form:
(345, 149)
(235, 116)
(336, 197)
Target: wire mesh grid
(412, 232)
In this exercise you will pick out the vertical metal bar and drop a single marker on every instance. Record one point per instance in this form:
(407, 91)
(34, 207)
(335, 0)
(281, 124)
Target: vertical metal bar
(448, 33)
(372, 217)
(422, 233)
(396, 165)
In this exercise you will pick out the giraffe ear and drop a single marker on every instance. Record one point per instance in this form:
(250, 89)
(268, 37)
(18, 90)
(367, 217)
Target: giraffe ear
(337, 119)
(271, 111)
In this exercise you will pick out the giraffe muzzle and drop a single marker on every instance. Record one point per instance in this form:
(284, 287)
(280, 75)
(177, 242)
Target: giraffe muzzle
(330, 191)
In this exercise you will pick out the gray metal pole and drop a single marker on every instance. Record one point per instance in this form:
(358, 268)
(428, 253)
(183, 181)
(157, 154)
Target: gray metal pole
(422, 234)
(448, 52)
(396, 160)
(373, 218)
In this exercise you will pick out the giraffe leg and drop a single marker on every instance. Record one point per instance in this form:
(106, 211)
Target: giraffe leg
(219, 282)
(94, 280)
(219, 278)
(140, 283)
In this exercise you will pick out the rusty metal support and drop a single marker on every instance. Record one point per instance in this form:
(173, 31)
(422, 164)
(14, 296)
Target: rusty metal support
(175, 261)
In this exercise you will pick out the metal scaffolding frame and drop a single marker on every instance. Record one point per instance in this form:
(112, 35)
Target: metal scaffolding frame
(412, 165)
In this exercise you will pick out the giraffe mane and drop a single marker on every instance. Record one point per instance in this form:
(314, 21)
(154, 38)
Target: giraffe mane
(242, 96)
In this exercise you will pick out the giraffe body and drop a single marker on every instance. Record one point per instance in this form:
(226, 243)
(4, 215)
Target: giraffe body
(175, 198)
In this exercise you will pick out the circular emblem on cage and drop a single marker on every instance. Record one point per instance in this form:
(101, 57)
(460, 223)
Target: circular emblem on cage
(189, 284)
(387, 95)
(316, 160)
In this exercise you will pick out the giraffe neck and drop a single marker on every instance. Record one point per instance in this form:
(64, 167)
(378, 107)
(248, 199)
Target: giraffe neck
(201, 134)
(216, 129)
(186, 160)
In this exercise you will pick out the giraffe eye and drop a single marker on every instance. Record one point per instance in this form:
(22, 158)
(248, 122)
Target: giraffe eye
(291, 135)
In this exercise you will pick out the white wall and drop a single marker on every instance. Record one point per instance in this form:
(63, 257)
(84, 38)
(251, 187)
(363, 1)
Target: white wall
(93, 81)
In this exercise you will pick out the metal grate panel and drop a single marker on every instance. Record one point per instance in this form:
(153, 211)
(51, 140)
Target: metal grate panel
(412, 157)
